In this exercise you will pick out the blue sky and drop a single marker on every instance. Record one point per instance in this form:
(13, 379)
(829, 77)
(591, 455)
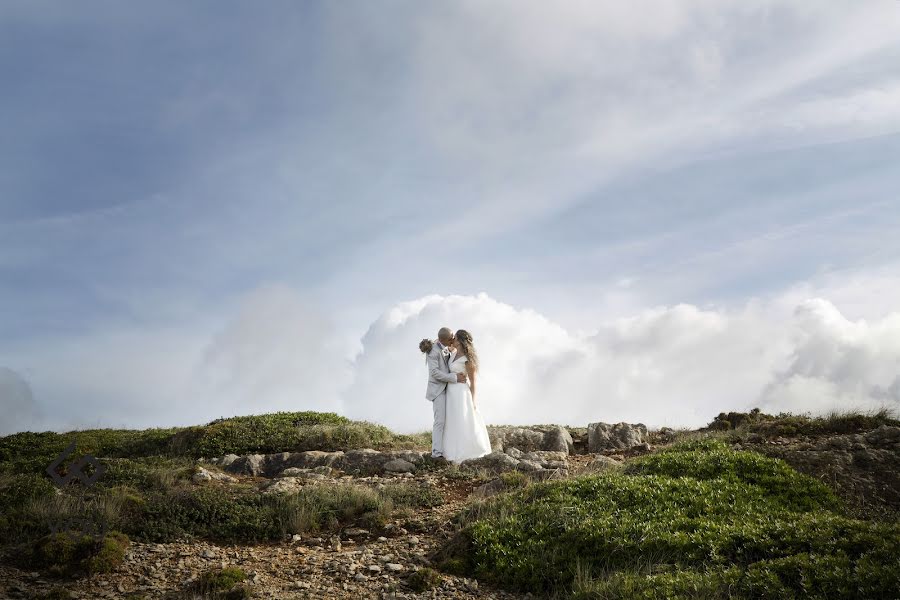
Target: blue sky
(164, 165)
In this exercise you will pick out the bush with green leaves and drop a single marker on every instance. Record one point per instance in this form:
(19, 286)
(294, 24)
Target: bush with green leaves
(267, 433)
(423, 579)
(243, 515)
(76, 554)
(18, 495)
(32, 452)
(788, 424)
(696, 519)
(707, 459)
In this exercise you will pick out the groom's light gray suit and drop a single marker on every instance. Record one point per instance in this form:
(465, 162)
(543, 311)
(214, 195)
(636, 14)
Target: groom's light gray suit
(439, 376)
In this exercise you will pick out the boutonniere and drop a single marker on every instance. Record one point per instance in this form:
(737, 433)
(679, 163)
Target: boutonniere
(446, 351)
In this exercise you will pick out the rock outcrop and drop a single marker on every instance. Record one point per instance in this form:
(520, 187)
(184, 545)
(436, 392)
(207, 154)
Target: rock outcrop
(515, 460)
(363, 461)
(618, 436)
(555, 438)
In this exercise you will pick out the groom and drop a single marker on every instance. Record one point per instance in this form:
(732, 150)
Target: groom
(439, 376)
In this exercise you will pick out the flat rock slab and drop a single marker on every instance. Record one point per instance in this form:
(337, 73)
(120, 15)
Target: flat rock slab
(499, 462)
(295, 463)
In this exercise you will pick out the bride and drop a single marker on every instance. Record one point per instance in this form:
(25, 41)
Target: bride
(465, 435)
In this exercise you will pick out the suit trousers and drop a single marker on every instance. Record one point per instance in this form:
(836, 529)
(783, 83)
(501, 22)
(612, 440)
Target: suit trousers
(437, 432)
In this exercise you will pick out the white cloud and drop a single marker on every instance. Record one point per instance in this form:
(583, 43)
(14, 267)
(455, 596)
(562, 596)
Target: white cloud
(676, 366)
(514, 345)
(16, 403)
(274, 350)
(837, 363)
(672, 365)
(280, 352)
(121, 377)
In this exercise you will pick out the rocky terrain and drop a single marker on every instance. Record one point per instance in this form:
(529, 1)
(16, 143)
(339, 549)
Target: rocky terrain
(396, 558)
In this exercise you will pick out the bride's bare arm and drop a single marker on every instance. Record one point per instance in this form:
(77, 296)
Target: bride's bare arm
(471, 373)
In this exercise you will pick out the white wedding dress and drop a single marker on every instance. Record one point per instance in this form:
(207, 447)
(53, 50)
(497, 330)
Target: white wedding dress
(465, 435)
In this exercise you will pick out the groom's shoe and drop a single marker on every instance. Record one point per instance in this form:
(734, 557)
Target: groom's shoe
(440, 459)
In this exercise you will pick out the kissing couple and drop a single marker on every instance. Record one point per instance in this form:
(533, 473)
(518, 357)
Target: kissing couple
(459, 431)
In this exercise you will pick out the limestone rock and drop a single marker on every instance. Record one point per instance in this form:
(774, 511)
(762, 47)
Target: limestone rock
(619, 436)
(526, 439)
(602, 463)
(399, 465)
(203, 475)
(495, 461)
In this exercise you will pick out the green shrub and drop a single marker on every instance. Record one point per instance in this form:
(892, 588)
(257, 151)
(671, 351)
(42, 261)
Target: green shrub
(515, 479)
(73, 554)
(696, 521)
(30, 452)
(222, 579)
(733, 420)
(108, 554)
(788, 424)
(423, 579)
(713, 459)
(146, 473)
(274, 432)
(802, 576)
(224, 584)
(57, 592)
(205, 513)
(412, 495)
(18, 493)
(240, 514)
(17, 490)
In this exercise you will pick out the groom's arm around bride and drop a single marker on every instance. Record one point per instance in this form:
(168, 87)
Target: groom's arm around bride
(438, 369)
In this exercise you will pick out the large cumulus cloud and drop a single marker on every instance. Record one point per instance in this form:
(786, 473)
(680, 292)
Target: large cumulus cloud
(837, 363)
(515, 347)
(676, 365)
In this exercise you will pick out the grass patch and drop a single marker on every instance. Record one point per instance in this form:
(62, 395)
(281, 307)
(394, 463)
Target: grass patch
(697, 521)
(263, 434)
(423, 579)
(18, 495)
(32, 452)
(226, 583)
(74, 555)
(713, 459)
(788, 424)
(240, 514)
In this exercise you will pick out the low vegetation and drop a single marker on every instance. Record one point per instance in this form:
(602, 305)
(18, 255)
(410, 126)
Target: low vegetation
(145, 489)
(235, 513)
(787, 424)
(31, 452)
(696, 521)
(247, 516)
(423, 579)
(72, 554)
(220, 584)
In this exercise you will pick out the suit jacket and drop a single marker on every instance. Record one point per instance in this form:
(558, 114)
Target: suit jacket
(439, 374)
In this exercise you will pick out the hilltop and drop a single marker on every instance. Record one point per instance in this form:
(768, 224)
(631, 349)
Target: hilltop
(315, 505)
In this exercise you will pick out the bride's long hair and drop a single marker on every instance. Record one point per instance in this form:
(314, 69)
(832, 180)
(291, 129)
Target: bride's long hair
(465, 342)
